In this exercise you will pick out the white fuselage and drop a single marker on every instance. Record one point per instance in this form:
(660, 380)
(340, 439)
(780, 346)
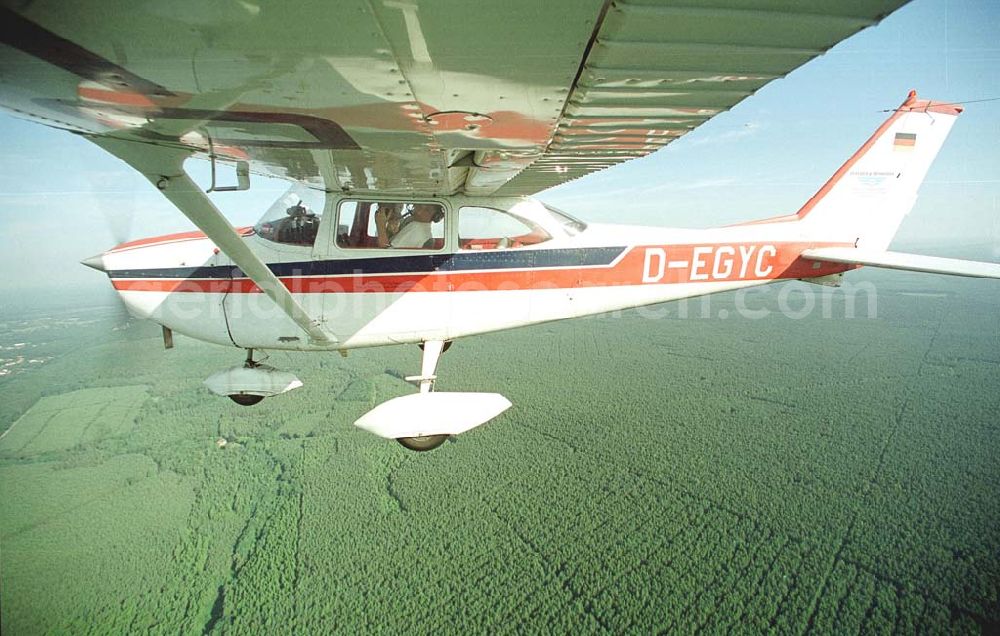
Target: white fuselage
(377, 297)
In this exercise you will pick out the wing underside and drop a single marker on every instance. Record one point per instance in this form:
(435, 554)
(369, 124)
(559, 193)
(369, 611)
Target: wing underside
(400, 96)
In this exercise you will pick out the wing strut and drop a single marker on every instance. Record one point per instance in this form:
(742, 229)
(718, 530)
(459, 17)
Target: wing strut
(164, 167)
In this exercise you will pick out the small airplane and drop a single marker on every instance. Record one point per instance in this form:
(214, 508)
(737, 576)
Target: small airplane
(414, 144)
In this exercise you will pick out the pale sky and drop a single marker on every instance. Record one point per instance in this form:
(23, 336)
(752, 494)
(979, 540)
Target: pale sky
(64, 199)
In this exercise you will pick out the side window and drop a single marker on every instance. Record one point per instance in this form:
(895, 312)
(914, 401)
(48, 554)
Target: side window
(353, 222)
(490, 229)
(390, 225)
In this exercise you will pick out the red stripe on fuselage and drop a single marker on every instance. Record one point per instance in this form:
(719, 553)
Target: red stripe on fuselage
(726, 262)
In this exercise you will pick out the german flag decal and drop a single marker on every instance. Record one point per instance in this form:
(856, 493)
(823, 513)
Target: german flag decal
(904, 141)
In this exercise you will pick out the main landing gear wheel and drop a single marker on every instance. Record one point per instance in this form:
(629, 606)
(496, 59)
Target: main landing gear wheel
(432, 351)
(422, 443)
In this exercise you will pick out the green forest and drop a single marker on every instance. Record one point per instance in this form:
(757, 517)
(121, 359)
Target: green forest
(679, 470)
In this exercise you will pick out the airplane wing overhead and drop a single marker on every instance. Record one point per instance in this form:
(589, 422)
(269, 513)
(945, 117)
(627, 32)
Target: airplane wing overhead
(401, 96)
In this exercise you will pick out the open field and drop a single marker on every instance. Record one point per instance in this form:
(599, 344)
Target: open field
(657, 472)
(69, 420)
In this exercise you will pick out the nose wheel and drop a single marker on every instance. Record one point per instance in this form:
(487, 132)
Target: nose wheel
(250, 383)
(247, 399)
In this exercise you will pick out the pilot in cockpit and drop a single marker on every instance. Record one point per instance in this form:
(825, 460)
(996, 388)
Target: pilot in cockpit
(298, 212)
(300, 227)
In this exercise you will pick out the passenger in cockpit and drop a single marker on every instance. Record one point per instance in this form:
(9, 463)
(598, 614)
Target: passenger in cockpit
(415, 231)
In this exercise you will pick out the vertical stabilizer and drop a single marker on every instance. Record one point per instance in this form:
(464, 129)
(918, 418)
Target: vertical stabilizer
(866, 199)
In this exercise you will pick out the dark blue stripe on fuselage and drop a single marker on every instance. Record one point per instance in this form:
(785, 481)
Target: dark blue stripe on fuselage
(421, 263)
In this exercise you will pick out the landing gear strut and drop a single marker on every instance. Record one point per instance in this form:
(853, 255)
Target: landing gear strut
(432, 352)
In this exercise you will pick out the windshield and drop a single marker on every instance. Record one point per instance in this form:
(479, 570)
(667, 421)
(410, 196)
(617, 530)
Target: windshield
(294, 218)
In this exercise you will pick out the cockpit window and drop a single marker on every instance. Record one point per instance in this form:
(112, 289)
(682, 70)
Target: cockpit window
(390, 225)
(491, 229)
(293, 219)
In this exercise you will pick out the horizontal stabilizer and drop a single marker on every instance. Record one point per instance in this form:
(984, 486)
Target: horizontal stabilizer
(904, 261)
(434, 413)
